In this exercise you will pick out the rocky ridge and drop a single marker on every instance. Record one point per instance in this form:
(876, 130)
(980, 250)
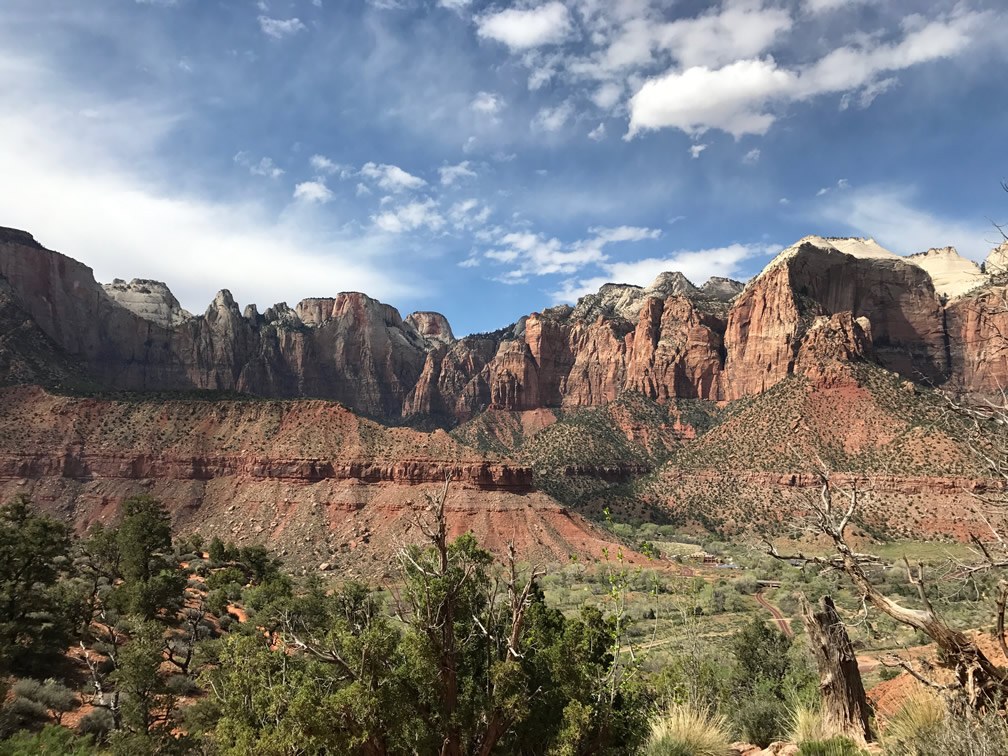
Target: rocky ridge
(721, 341)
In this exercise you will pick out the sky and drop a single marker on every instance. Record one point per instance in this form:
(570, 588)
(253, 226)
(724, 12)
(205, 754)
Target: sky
(490, 159)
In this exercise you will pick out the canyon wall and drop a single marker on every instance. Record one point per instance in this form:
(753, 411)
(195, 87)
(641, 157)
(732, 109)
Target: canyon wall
(671, 339)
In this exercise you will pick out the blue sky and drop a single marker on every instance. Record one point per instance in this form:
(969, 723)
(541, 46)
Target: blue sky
(491, 159)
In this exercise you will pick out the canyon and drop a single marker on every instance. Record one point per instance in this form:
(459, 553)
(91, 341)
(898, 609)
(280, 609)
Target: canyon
(314, 428)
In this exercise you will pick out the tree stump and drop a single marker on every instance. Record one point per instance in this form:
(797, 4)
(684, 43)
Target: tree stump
(844, 706)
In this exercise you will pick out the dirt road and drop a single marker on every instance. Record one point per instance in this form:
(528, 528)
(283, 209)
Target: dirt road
(784, 625)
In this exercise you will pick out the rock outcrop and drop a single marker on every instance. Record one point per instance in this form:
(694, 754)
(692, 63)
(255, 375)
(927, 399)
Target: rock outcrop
(951, 274)
(721, 341)
(150, 300)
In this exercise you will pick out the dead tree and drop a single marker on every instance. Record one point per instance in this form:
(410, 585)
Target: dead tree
(845, 708)
(982, 683)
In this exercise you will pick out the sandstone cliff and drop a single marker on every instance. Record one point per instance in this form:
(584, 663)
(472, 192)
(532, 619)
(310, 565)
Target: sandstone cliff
(669, 340)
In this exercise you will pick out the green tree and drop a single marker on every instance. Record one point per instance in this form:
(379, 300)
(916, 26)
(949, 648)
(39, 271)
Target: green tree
(34, 552)
(151, 582)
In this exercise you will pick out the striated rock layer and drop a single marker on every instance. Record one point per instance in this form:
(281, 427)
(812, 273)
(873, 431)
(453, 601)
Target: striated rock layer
(309, 478)
(669, 340)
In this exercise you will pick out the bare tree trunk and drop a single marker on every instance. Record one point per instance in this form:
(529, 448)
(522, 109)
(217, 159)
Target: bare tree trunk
(845, 708)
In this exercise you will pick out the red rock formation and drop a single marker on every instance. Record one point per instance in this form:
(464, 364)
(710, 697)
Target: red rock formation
(978, 339)
(679, 341)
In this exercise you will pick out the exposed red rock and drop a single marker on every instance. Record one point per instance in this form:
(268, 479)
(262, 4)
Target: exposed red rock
(670, 340)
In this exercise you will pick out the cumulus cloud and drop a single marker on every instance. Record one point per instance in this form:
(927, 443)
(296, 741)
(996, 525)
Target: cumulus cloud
(752, 157)
(263, 167)
(540, 255)
(521, 29)
(278, 28)
(598, 133)
(486, 102)
(391, 178)
(410, 217)
(696, 149)
(452, 173)
(741, 97)
(468, 214)
(696, 265)
(553, 119)
(313, 191)
(323, 166)
(79, 190)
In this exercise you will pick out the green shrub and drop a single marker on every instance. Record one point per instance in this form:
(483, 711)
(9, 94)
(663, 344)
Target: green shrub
(97, 722)
(53, 740)
(761, 719)
(686, 731)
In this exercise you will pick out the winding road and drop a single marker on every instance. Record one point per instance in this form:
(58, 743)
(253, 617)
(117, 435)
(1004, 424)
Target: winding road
(784, 625)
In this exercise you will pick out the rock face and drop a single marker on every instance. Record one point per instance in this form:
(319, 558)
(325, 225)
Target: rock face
(849, 298)
(150, 300)
(813, 278)
(951, 273)
(433, 326)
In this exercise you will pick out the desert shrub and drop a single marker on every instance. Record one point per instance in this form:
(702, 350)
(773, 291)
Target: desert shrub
(889, 673)
(182, 685)
(687, 731)
(918, 721)
(54, 696)
(53, 740)
(923, 727)
(838, 746)
(806, 723)
(24, 712)
(746, 584)
(761, 719)
(226, 579)
(97, 723)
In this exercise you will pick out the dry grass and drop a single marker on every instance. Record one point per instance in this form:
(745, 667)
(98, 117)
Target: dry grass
(807, 723)
(687, 731)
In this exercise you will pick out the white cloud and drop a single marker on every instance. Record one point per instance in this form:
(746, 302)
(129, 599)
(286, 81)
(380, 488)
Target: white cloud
(696, 265)
(472, 261)
(866, 96)
(410, 217)
(826, 6)
(540, 255)
(486, 102)
(607, 95)
(553, 119)
(732, 98)
(80, 191)
(752, 157)
(784, 201)
(278, 28)
(523, 29)
(455, 5)
(741, 97)
(391, 178)
(696, 149)
(598, 133)
(264, 167)
(732, 32)
(313, 191)
(452, 173)
(362, 190)
(323, 166)
(889, 215)
(468, 214)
